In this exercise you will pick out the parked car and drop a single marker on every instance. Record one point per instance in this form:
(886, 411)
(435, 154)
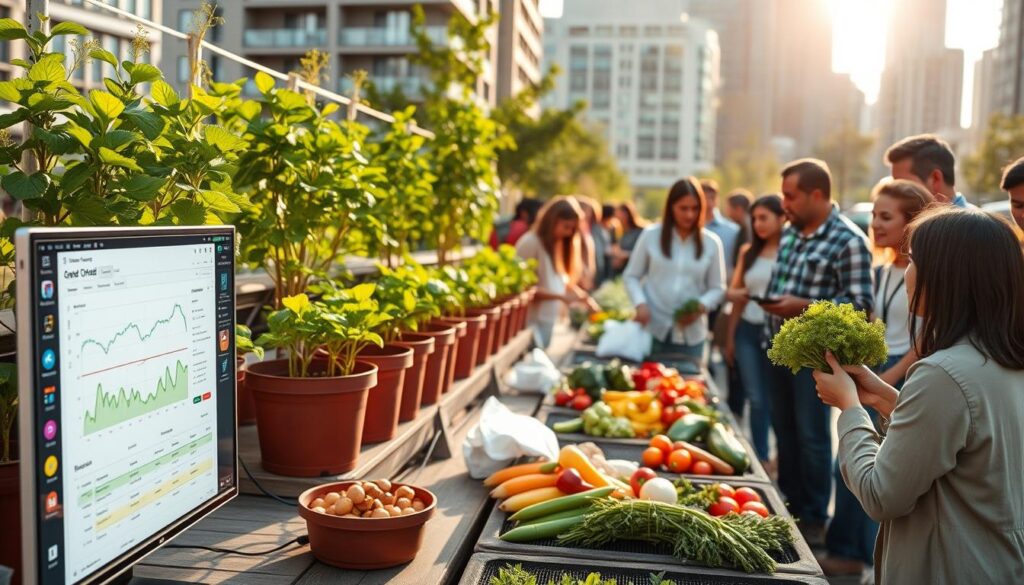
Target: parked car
(1001, 207)
(860, 214)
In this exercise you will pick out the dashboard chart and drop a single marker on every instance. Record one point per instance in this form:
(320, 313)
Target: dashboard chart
(138, 367)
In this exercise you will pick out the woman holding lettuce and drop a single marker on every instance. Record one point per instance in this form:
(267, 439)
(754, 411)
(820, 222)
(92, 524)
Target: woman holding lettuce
(945, 477)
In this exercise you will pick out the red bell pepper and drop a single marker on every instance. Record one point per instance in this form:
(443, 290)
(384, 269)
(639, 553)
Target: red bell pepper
(571, 482)
(563, 397)
(671, 414)
(668, 396)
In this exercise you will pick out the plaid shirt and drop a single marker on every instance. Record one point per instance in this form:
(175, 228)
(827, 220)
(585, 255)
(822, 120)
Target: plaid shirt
(833, 263)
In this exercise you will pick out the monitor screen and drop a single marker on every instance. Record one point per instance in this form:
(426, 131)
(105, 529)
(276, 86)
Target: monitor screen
(130, 391)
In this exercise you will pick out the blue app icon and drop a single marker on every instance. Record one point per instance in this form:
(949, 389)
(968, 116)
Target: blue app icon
(47, 290)
(49, 359)
(224, 281)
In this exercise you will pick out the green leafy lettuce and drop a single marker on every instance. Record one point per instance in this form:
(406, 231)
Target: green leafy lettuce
(841, 329)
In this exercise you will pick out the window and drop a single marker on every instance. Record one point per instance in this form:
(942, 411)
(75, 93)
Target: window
(578, 31)
(649, 68)
(603, 31)
(578, 68)
(627, 31)
(622, 150)
(652, 31)
(145, 8)
(673, 68)
(185, 21)
(669, 148)
(5, 47)
(183, 69)
(645, 148)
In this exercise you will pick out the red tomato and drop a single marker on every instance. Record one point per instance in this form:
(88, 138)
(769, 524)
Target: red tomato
(702, 468)
(640, 476)
(653, 457)
(679, 461)
(723, 506)
(745, 494)
(726, 490)
(668, 396)
(581, 402)
(662, 442)
(671, 414)
(756, 507)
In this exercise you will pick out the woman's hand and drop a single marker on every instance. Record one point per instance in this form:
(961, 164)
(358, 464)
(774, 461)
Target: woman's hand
(736, 295)
(643, 315)
(691, 318)
(838, 388)
(872, 390)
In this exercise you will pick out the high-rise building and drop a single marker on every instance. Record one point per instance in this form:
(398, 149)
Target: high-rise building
(111, 31)
(520, 46)
(984, 96)
(1008, 74)
(356, 34)
(649, 75)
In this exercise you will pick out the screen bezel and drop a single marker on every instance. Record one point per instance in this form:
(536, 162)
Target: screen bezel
(25, 241)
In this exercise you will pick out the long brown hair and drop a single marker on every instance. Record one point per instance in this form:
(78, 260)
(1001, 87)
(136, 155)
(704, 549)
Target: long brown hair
(688, 187)
(912, 199)
(560, 208)
(970, 279)
(635, 220)
(772, 203)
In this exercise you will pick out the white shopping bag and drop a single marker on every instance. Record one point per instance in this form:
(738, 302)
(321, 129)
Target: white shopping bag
(534, 373)
(502, 436)
(628, 340)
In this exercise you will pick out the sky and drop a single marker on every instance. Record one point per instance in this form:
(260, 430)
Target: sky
(859, 32)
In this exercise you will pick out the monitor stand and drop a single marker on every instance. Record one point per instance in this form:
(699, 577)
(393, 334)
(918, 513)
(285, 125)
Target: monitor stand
(127, 578)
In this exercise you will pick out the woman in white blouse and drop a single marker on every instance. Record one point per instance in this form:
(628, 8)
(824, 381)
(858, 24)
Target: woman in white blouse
(677, 263)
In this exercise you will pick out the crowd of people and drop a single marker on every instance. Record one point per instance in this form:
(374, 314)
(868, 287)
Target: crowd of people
(929, 443)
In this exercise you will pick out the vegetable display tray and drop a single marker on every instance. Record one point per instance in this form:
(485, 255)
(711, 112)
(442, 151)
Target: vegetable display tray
(685, 364)
(483, 567)
(632, 449)
(796, 558)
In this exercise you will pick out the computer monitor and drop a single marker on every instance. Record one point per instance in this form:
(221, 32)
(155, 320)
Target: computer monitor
(127, 392)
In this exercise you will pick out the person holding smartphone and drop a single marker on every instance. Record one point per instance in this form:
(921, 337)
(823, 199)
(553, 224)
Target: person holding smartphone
(744, 344)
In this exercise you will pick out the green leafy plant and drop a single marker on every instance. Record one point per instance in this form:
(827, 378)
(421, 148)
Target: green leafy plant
(471, 293)
(8, 407)
(243, 342)
(841, 329)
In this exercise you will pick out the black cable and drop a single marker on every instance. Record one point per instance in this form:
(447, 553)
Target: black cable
(299, 540)
(290, 504)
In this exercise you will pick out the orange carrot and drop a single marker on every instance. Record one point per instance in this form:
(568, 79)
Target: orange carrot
(520, 501)
(524, 483)
(501, 476)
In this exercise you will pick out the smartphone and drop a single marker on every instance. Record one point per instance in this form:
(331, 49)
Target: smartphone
(762, 300)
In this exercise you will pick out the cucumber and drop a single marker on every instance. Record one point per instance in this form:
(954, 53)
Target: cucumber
(541, 530)
(568, 426)
(559, 515)
(561, 504)
(724, 445)
(689, 427)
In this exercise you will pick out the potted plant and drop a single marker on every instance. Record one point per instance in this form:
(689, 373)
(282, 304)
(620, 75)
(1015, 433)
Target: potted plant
(310, 405)
(475, 297)
(444, 334)
(243, 347)
(454, 310)
(10, 488)
(522, 276)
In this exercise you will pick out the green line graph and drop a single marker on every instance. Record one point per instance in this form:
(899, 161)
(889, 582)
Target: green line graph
(176, 310)
(110, 410)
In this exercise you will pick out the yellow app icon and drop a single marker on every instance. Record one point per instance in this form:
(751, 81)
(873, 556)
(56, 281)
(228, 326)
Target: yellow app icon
(50, 466)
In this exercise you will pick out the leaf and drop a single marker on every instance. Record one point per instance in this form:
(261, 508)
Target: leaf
(15, 117)
(250, 109)
(188, 212)
(117, 139)
(218, 201)
(145, 73)
(118, 160)
(363, 292)
(22, 186)
(104, 55)
(75, 177)
(107, 106)
(9, 92)
(223, 140)
(88, 209)
(264, 82)
(57, 142)
(80, 134)
(164, 94)
(149, 123)
(142, 187)
(11, 30)
(409, 301)
(49, 68)
(297, 303)
(68, 28)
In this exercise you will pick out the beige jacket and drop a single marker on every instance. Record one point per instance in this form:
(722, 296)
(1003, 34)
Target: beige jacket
(947, 481)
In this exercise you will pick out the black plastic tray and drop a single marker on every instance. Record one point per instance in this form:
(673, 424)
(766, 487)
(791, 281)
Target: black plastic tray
(797, 559)
(632, 449)
(483, 566)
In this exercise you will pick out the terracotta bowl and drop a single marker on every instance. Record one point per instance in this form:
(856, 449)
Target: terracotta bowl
(364, 543)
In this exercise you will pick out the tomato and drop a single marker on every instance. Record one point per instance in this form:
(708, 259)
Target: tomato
(668, 396)
(726, 490)
(694, 389)
(756, 507)
(744, 495)
(653, 457)
(581, 402)
(723, 506)
(671, 414)
(702, 468)
(662, 442)
(679, 461)
(639, 478)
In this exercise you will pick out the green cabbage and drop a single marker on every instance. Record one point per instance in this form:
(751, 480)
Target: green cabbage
(841, 329)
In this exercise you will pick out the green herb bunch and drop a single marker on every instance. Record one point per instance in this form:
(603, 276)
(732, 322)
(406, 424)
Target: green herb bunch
(688, 308)
(517, 575)
(841, 329)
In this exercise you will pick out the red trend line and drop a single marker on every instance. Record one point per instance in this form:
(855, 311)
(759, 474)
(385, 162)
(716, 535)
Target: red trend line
(135, 361)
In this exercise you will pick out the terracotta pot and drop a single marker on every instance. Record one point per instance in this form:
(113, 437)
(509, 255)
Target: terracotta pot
(437, 362)
(412, 389)
(513, 314)
(385, 400)
(461, 331)
(465, 356)
(309, 427)
(524, 309)
(487, 334)
(10, 511)
(246, 408)
(499, 334)
(364, 543)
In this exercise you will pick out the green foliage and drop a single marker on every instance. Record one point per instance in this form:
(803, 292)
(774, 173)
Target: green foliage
(409, 296)
(1004, 142)
(841, 329)
(846, 150)
(508, 273)
(517, 575)
(244, 344)
(471, 294)
(752, 167)
(8, 407)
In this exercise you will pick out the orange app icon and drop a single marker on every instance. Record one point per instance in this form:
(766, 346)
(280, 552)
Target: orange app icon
(51, 502)
(224, 342)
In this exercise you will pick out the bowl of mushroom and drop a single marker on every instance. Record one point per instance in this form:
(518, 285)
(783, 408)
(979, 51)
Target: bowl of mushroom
(365, 524)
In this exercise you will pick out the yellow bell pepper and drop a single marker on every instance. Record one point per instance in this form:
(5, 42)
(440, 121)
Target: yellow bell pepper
(619, 407)
(651, 414)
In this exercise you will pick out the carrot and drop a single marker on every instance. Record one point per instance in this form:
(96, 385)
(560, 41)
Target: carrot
(571, 456)
(520, 501)
(524, 483)
(720, 467)
(501, 476)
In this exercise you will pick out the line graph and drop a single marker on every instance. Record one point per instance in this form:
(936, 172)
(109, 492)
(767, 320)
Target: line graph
(138, 361)
(110, 410)
(105, 347)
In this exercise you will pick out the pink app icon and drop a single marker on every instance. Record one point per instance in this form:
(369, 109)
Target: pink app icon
(50, 430)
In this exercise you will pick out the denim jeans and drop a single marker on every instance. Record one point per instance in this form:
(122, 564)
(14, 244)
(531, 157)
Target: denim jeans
(662, 351)
(752, 362)
(802, 427)
(852, 533)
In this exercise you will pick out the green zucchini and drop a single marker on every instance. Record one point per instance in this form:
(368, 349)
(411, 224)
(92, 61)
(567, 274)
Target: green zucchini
(541, 530)
(569, 426)
(561, 504)
(689, 427)
(559, 515)
(727, 447)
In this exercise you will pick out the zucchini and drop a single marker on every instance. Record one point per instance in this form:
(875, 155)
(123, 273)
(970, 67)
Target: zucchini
(569, 426)
(585, 509)
(561, 504)
(689, 427)
(541, 530)
(724, 445)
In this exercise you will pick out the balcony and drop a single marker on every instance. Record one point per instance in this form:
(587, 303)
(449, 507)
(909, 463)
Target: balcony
(387, 37)
(409, 84)
(275, 38)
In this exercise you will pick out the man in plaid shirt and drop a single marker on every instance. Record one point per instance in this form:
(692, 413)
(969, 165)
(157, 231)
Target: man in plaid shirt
(822, 255)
